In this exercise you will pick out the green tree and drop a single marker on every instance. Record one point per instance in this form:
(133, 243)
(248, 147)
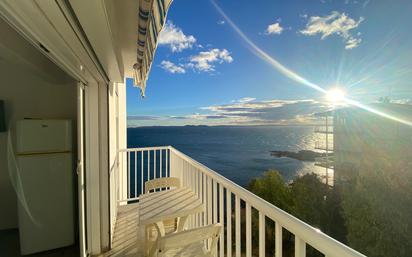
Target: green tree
(307, 198)
(271, 187)
(318, 205)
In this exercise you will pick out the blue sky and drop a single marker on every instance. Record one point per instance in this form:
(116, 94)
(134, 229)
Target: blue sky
(204, 72)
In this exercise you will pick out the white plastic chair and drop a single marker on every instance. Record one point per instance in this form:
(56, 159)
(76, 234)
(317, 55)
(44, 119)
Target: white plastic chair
(168, 226)
(188, 243)
(164, 183)
(161, 183)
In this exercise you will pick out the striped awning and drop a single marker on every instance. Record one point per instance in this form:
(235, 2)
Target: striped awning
(151, 18)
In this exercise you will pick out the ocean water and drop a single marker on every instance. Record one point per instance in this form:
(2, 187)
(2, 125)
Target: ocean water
(239, 153)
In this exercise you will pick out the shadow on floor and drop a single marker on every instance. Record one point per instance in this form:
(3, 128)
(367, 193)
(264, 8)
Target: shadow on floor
(10, 247)
(125, 240)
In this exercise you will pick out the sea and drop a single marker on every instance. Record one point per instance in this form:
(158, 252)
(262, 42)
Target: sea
(240, 153)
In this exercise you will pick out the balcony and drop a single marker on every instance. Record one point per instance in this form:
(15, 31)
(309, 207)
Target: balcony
(238, 210)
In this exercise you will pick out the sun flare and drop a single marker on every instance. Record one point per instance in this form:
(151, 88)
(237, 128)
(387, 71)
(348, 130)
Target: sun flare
(335, 95)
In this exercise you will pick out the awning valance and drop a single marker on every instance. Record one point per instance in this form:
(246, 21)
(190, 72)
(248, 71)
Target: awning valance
(151, 18)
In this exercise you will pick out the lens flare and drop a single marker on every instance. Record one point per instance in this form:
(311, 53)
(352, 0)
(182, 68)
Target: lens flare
(295, 76)
(335, 95)
(266, 57)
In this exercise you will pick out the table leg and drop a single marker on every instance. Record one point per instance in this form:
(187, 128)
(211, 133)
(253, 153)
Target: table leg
(160, 228)
(141, 244)
(181, 223)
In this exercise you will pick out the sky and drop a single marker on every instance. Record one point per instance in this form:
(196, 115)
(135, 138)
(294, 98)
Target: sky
(263, 62)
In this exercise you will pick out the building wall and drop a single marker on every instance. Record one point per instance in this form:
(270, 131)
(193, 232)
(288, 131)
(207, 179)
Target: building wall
(122, 116)
(104, 166)
(122, 130)
(358, 134)
(113, 146)
(117, 140)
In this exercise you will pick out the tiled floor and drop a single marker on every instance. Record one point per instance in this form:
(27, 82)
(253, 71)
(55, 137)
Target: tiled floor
(10, 247)
(125, 241)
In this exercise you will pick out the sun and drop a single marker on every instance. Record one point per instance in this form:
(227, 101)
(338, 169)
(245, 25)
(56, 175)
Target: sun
(335, 95)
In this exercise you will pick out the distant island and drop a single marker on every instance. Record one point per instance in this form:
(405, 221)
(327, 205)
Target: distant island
(302, 155)
(196, 126)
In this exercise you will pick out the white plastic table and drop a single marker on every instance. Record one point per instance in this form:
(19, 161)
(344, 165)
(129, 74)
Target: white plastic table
(156, 207)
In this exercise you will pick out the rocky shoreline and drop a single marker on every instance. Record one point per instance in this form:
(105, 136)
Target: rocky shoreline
(302, 155)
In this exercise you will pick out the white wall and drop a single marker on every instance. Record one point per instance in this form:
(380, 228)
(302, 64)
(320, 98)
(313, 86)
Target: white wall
(122, 116)
(113, 146)
(117, 140)
(104, 166)
(122, 130)
(31, 86)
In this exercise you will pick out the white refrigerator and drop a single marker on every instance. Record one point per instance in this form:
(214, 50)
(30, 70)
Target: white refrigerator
(46, 201)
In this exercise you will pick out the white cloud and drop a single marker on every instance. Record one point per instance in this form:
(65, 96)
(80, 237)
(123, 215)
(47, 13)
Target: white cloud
(266, 112)
(365, 3)
(334, 24)
(174, 37)
(244, 111)
(196, 116)
(274, 28)
(401, 101)
(352, 43)
(171, 67)
(244, 100)
(221, 22)
(204, 61)
(245, 105)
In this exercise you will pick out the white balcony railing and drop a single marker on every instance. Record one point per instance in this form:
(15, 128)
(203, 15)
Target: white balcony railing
(225, 202)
